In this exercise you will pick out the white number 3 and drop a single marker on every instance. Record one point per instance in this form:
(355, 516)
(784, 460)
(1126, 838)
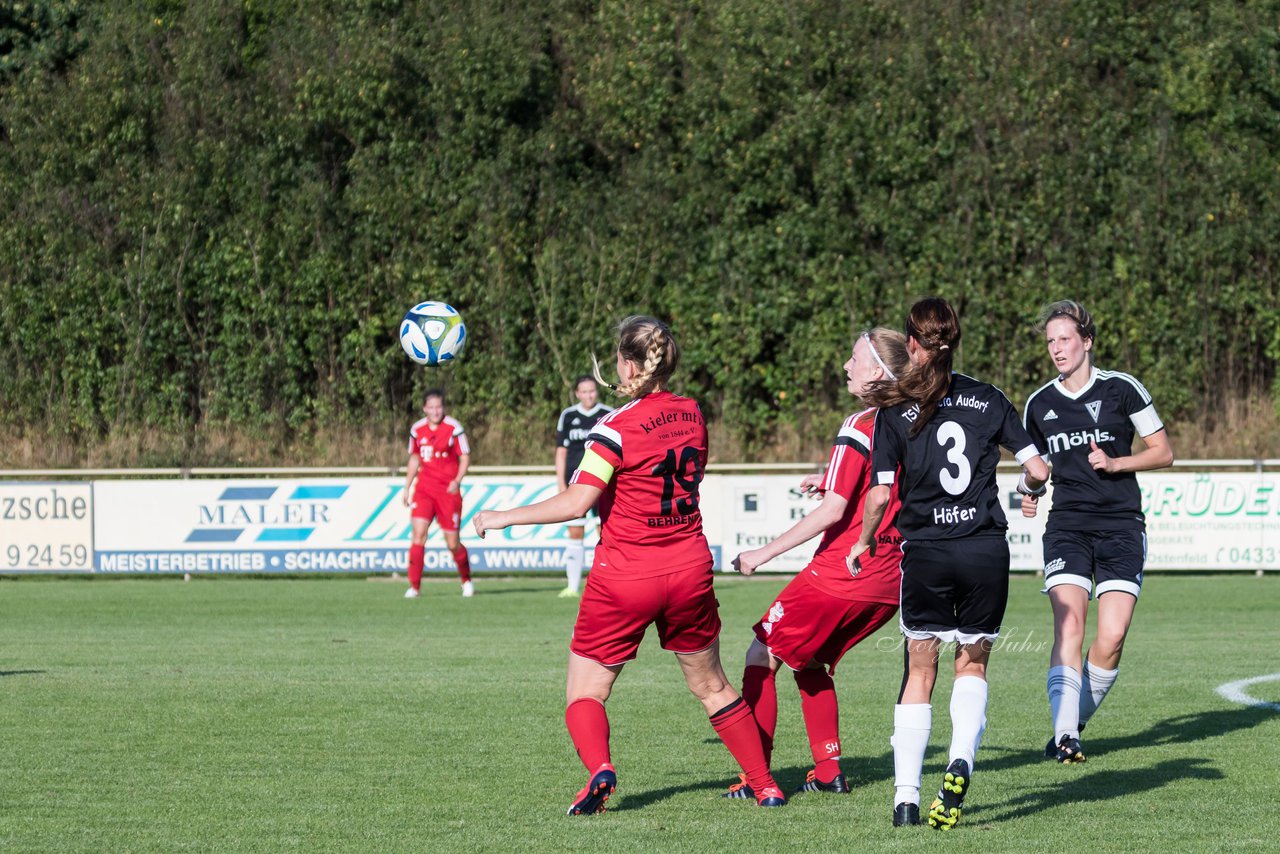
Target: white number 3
(955, 484)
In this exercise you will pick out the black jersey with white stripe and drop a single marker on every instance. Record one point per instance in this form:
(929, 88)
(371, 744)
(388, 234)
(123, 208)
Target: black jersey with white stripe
(572, 429)
(1108, 411)
(946, 473)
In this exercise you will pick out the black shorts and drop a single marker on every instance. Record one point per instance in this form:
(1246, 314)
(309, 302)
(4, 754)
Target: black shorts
(954, 590)
(1098, 561)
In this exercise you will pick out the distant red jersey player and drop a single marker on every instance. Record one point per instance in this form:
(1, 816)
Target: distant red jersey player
(642, 467)
(825, 610)
(438, 458)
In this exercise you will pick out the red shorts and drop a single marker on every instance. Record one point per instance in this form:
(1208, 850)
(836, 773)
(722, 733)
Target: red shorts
(439, 505)
(806, 624)
(614, 615)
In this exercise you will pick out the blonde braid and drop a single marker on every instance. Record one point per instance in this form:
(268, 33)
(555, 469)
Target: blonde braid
(654, 355)
(649, 344)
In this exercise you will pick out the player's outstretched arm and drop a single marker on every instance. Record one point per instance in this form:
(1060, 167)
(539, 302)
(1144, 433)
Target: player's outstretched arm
(573, 503)
(872, 515)
(830, 511)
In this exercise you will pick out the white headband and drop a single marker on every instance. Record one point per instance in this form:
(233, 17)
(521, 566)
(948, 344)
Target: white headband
(876, 356)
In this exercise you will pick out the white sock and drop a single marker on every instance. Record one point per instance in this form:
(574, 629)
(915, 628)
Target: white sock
(911, 725)
(1065, 701)
(968, 717)
(574, 554)
(1095, 685)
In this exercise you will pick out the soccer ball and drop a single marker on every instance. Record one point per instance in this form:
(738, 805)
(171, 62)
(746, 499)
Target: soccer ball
(432, 333)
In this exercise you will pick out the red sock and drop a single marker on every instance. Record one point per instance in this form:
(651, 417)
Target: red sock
(464, 565)
(415, 565)
(759, 689)
(589, 729)
(821, 720)
(737, 728)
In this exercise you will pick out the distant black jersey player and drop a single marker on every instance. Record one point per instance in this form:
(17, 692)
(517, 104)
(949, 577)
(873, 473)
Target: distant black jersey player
(572, 429)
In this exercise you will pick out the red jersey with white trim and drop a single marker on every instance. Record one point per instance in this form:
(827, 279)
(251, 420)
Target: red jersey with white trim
(849, 476)
(438, 448)
(651, 524)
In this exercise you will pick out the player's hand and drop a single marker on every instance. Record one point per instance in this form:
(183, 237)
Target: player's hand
(406, 499)
(1098, 459)
(483, 521)
(747, 562)
(854, 560)
(453, 487)
(812, 485)
(1030, 504)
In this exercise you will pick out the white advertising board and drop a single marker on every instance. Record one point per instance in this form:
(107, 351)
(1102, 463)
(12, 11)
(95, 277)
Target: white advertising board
(755, 509)
(1206, 520)
(1212, 520)
(46, 527)
(299, 526)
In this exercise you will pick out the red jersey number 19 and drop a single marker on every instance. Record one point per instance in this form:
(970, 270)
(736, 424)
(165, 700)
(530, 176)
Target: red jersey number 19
(687, 473)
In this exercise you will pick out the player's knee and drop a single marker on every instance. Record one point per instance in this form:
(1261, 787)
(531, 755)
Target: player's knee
(1108, 645)
(707, 687)
(1069, 627)
(921, 679)
(575, 693)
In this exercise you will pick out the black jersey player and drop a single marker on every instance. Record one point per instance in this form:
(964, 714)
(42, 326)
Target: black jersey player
(938, 436)
(1095, 540)
(572, 429)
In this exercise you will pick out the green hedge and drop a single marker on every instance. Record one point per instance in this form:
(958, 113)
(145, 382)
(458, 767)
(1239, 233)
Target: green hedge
(216, 212)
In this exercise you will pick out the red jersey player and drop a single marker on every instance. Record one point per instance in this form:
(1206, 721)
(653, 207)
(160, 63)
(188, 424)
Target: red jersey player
(825, 610)
(643, 465)
(438, 460)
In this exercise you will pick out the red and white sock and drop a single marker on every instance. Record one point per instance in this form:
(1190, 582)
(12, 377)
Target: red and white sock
(821, 721)
(416, 553)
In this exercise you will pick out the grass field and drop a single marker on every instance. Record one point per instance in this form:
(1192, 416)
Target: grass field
(333, 715)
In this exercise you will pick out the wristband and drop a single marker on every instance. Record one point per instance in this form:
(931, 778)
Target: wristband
(1023, 489)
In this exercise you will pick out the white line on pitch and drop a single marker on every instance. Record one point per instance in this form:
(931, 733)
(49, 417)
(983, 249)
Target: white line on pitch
(1234, 691)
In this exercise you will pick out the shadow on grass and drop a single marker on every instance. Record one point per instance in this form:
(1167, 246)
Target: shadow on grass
(869, 770)
(1182, 729)
(21, 672)
(1104, 785)
(788, 778)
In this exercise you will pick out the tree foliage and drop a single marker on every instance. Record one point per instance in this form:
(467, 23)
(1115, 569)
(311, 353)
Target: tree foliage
(216, 212)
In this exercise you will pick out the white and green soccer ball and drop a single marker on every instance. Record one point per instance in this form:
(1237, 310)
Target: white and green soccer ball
(432, 333)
